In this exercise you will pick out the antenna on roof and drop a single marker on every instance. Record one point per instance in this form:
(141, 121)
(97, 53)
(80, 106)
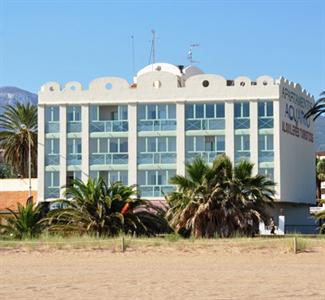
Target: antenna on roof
(133, 54)
(190, 53)
(152, 56)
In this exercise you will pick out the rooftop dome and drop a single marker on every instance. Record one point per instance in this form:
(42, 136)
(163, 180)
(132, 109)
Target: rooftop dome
(184, 72)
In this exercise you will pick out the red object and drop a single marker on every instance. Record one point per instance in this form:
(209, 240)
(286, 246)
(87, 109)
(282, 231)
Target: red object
(125, 209)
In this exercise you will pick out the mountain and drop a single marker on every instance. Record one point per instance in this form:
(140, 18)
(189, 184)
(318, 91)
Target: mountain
(12, 95)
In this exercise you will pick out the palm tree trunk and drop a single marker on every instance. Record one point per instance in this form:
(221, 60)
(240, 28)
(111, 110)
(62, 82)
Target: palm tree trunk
(319, 189)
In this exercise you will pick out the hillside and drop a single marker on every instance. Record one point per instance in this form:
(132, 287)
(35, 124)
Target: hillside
(12, 95)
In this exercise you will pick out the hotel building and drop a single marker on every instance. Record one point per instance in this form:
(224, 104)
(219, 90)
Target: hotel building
(143, 133)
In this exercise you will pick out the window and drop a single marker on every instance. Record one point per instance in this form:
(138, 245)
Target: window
(199, 111)
(113, 145)
(242, 142)
(268, 172)
(220, 110)
(209, 143)
(265, 142)
(52, 114)
(265, 109)
(162, 111)
(241, 110)
(189, 111)
(171, 111)
(151, 112)
(123, 112)
(151, 144)
(74, 146)
(157, 144)
(74, 113)
(209, 111)
(220, 143)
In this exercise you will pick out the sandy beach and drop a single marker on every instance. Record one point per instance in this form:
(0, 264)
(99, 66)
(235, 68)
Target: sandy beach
(173, 272)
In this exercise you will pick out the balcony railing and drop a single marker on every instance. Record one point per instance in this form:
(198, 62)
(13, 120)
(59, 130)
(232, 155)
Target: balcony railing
(242, 123)
(109, 159)
(157, 125)
(155, 190)
(52, 192)
(208, 156)
(242, 155)
(205, 124)
(52, 159)
(265, 122)
(52, 127)
(74, 159)
(74, 126)
(109, 126)
(266, 156)
(157, 158)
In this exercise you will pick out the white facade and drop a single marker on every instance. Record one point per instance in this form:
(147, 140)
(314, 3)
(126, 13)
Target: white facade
(259, 120)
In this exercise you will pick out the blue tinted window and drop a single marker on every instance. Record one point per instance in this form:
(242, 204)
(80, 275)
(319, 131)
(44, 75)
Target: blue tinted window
(209, 111)
(199, 111)
(189, 111)
(220, 110)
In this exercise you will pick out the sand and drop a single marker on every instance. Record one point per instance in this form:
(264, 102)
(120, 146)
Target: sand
(218, 272)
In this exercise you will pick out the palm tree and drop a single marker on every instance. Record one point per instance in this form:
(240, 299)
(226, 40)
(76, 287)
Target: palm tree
(318, 108)
(96, 208)
(320, 175)
(218, 199)
(19, 124)
(320, 216)
(25, 223)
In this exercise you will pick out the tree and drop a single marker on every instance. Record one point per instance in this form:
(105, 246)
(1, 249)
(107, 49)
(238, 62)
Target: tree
(218, 199)
(320, 216)
(95, 208)
(320, 175)
(318, 108)
(25, 223)
(19, 124)
(5, 171)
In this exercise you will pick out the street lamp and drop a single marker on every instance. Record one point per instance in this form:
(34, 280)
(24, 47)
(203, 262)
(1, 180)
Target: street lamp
(24, 127)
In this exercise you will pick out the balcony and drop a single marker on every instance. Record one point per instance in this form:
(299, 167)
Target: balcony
(242, 155)
(109, 126)
(266, 156)
(205, 124)
(52, 193)
(208, 156)
(157, 125)
(52, 127)
(74, 159)
(52, 159)
(155, 190)
(157, 158)
(74, 126)
(242, 123)
(265, 122)
(109, 159)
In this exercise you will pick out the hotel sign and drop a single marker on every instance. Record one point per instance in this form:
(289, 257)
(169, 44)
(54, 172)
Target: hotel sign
(294, 123)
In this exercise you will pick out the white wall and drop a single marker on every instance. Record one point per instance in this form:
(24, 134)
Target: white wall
(293, 167)
(17, 185)
(297, 155)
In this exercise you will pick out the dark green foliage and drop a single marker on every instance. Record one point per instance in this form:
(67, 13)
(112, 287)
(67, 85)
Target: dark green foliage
(14, 138)
(95, 208)
(5, 171)
(218, 200)
(25, 223)
(318, 108)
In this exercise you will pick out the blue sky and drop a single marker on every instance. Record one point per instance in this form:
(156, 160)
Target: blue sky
(61, 40)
